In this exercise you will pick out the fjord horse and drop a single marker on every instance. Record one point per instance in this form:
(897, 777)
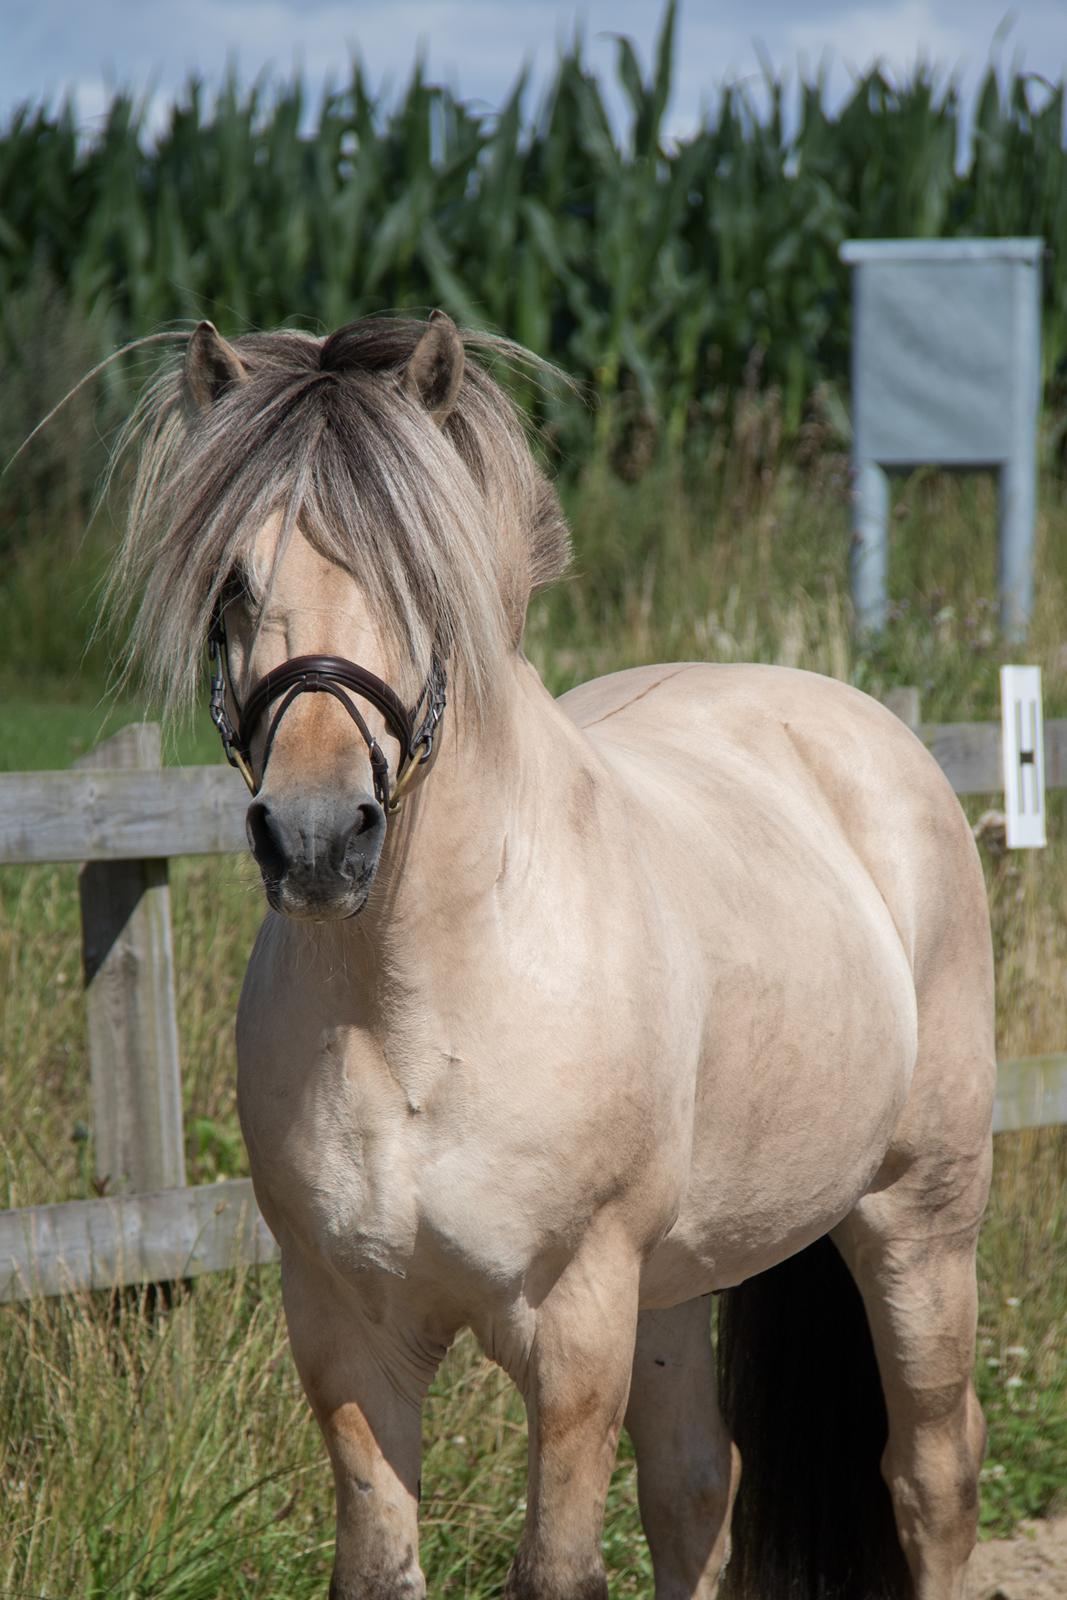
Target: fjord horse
(567, 1014)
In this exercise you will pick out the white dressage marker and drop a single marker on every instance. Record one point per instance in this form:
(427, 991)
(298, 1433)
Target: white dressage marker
(1023, 755)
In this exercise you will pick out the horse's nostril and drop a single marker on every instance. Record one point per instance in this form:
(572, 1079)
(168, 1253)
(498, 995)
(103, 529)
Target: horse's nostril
(368, 817)
(363, 841)
(316, 844)
(265, 839)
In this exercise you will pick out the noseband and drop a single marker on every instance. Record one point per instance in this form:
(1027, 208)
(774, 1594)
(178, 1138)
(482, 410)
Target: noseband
(328, 675)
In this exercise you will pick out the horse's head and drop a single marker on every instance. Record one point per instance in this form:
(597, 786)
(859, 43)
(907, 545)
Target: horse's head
(347, 519)
(322, 780)
(307, 667)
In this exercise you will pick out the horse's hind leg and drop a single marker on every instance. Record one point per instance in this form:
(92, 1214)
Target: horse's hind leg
(687, 1467)
(911, 1249)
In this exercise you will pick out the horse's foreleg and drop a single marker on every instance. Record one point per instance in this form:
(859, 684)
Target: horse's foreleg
(366, 1388)
(687, 1468)
(574, 1368)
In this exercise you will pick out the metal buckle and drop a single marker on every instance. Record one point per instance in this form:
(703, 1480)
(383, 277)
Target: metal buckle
(220, 717)
(424, 739)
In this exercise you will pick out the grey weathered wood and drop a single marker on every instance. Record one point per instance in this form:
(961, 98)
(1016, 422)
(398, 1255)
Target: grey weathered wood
(128, 954)
(968, 753)
(112, 816)
(98, 1244)
(1031, 1093)
(179, 811)
(903, 702)
(1055, 754)
(137, 1238)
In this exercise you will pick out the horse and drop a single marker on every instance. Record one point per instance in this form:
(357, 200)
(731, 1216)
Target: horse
(568, 1015)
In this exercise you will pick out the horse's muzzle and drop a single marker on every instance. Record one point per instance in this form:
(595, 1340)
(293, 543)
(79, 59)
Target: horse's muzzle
(317, 853)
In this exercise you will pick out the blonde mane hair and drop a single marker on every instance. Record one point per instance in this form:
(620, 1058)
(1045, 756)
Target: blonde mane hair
(447, 530)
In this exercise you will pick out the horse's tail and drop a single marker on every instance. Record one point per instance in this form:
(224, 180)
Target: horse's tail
(800, 1393)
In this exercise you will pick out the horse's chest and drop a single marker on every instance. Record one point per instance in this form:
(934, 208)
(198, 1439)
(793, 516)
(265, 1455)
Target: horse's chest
(462, 1190)
(386, 1198)
(343, 1187)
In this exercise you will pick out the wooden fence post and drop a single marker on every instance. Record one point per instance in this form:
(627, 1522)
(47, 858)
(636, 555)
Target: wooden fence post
(128, 955)
(904, 702)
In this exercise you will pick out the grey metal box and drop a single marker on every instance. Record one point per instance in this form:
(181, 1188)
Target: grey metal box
(946, 363)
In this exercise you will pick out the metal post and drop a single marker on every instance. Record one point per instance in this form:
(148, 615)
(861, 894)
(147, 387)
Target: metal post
(1015, 550)
(870, 546)
(1018, 474)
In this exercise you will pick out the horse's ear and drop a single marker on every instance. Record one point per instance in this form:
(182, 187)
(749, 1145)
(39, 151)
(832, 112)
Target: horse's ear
(211, 367)
(435, 369)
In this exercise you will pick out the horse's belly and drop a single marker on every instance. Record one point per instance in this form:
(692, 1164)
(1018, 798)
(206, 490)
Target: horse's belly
(803, 1085)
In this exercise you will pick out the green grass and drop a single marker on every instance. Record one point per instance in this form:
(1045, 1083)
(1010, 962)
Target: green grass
(171, 1456)
(219, 1488)
(1021, 1372)
(48, 731)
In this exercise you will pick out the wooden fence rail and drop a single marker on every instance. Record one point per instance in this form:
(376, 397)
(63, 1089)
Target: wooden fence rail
(124, 816)
(89, 815)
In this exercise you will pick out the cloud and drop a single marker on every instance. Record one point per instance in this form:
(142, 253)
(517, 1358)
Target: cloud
(479, 46)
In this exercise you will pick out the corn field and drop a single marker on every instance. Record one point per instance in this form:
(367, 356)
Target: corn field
(660, 272)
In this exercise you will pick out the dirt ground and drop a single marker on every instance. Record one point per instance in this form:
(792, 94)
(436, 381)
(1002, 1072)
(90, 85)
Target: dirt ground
(1031, 1566)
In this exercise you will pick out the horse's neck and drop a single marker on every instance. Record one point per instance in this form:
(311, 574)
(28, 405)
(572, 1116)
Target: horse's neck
(494, 826)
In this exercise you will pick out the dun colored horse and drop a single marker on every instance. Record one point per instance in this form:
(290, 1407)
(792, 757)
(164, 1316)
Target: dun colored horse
(567, 1015)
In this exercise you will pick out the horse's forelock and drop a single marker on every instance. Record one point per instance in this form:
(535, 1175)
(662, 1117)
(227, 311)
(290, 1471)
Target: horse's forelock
(446, 531)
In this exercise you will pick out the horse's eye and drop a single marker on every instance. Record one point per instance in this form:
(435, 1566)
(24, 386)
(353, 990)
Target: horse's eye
(238, 587)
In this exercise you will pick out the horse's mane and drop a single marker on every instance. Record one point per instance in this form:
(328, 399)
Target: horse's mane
(447, 530)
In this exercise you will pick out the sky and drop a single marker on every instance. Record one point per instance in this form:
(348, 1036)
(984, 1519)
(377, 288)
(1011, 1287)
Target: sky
(477, 47)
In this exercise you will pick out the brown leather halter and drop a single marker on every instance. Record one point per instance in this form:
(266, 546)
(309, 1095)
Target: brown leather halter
(327, 675)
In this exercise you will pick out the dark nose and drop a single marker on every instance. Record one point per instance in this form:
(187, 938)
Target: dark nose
(316, 847)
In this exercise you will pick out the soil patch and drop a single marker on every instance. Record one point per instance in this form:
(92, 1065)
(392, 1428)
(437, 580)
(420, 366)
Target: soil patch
(1030, 1566)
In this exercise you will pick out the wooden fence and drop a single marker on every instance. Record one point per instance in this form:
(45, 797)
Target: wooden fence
(123, 815)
